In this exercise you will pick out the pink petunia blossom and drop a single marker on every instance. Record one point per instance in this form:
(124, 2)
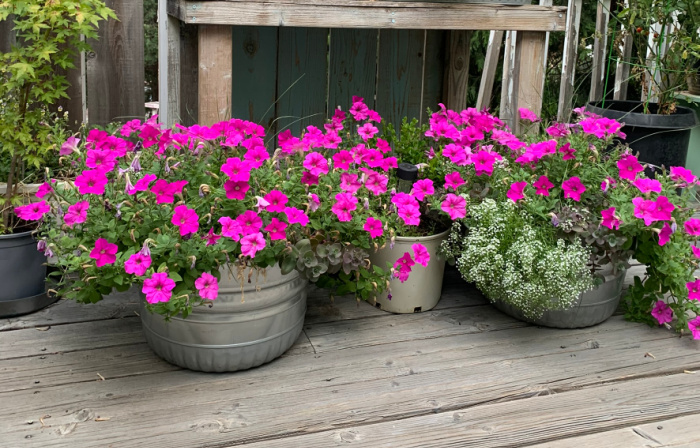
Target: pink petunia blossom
(645, 209)
(236, 190)
(607, 184)
(421, 254)
(249, 222)
(646, 185)
(207, 286)
(276, 201)
(236, 169)
(609, 219)
(453, 180)
(663, 209)
(567, 152)
(43, 190)
(693, 290)
(211, 237)
(142, 184)
(455, 206)
(694, 327)
(296, 216)
(542, 186)
(104, 252)
(662, 312)
(665, 234)
(573, 188)
(342, 160)
(403, 267)
(316, 164)
(629, 166)
(410, 214)
(374, 227)
(349, 183)
(101, 159)
(367, 131)
(359, 110)
(389, 163)
(309, 179)
(692, 226)
(345, 203)
(383, 145)
(69, 146)
(277, 229)
(76, 214)
(137, 264)
(696, 250)
(32, 212)
(457, 154)
(679, 173)
(376, 183)
(165, 192)
(373, 115)
(483, 163)
(186, 219)
(91, 182)
(256, 156)
(422, 188)
(527, 114)
(314, 202)
(515, 193)
(158, 288)
(251, 244)
(230, 228)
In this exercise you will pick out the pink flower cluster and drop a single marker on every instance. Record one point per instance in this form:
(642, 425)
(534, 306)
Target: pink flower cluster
(404, 265)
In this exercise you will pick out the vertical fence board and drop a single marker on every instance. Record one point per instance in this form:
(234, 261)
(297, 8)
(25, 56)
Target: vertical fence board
(73, 105)
(600, 48)
(169, 46)
(302, 78)
(622, 69)
(353, 67)
(457, 73)
(189, 74)
(115, 67)
(255, 74)
(509, 86)
(215, 68)
(7, 34)
(400, 72)
(488, 75)
(434, 68)
(568, 68)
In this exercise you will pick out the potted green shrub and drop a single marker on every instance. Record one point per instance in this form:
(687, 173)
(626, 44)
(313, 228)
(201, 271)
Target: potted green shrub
(49, 35)
(665, 42)
(553, 218)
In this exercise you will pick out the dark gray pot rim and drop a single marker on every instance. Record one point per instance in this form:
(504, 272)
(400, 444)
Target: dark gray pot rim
(10, 236)
(625, 112)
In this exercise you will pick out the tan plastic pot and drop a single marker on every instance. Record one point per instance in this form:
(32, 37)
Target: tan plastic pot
(422, 290)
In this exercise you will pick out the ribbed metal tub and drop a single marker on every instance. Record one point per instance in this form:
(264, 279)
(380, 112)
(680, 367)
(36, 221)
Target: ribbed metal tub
(233, 334)
(592, 308)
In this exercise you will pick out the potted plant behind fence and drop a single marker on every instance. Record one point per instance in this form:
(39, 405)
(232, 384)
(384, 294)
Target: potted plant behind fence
(49, 34)
(664, 55)
(553, 219)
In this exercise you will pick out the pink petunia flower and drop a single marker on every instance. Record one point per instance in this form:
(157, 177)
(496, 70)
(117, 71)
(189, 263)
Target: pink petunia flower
(542, 186)
(367, 131)
(345, 203)
(567, 152)
(629, 166)
(403, 267)
(694, 327)
(276, 201)
(236, 190)
(91, 182)
(692, 226)
(251, 244)
(609, 219)
(349, 183)
(516, 191)
(158, 288)
(423, 188)
(663, 209)
(662, 312)
(277, 229)
(309, 179)
(76, 214)
(527, 114)
(693, 290)
(43, 190)
(359, 110)
(455, 206)
(374, 227)
(645, 209)
(230, 228)
(101, 159)
(69, 146)
(142, 184)
(256, 156)
(608, 183)
(186, 219)
(137, 264)
(410, 214)
(342, 160)
(207, 286)
(457, 154)
(573, 188)
(376, 183)
(296, 216)
(236, 169)
(421, 254)
(679, 173)
(696, 250)
(646, 185)
(453, 180)
(165, 192)
(104, 252)
(316, 164)
(314, 202)
(665, 234)
(249, 222)
(483, 163)
(32, 212)
(211, 237)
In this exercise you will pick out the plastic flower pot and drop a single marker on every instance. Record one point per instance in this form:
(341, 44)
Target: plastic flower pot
(422, 290)
(22, 276)
(593, 307)
(659, 139)
(249, 324)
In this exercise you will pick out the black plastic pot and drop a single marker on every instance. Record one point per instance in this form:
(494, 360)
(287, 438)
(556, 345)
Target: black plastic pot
(22, 276)
(659, 139)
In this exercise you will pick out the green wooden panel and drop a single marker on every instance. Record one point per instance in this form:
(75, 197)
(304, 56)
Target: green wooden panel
(435, 63)
(302, 78)
(353, 67)
(254, 75)
(400, 72)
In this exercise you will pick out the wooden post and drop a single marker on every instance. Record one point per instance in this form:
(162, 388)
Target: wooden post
(493, 53)
(215, 67)
(457, 74)
(75, 104)
(622, 69)
(511, 80)
(189, 74)
(599, 51)
(115, 67)
(568, 69)
(168, 66)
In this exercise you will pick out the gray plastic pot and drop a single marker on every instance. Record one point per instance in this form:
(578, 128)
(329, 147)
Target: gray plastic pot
(238, 331)
(22, 276)
(592, 307)
(422, 291)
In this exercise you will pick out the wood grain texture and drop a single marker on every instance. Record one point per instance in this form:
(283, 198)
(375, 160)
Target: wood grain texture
(353, 67)
(255, 75)
(302, 78)
(533, 50)
(434, 68)
(369, 14)
(622, 69)
(568, 68)
(169, 65)
(115, 67)
(600, 51)
(73, 105)
(488, 75)
(189, 74)
(215, 69)
(457, 73)
(510, 85)
(400, 75)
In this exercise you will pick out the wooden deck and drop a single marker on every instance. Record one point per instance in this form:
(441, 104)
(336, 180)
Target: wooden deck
(462, 375)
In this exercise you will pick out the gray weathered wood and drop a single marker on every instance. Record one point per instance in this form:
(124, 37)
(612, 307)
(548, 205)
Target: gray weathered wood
(434, 72)
(457, 73)
(189, 74)
(600, 49)
(73, 106)
(568, 68)
(622, 69)
(215, 68)
(169, 63)
(493, 53)
(352, 67)
(115, 67)
(511, 80)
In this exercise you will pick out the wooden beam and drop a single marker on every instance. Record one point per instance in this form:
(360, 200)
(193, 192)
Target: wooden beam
(568, 68)
(600, 47)
(370, 14)
(488, 74)
(457, 73)
(215, 67)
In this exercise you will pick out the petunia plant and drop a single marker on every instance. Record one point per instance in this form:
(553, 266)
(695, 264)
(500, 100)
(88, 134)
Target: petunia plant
(572, 190)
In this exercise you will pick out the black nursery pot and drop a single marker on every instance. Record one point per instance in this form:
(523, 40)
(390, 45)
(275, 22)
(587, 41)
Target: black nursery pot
(659, 139)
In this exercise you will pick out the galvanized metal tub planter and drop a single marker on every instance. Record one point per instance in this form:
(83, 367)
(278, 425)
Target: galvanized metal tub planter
(592, 307)
(239, 330)
(22, 276)
(422, 291)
